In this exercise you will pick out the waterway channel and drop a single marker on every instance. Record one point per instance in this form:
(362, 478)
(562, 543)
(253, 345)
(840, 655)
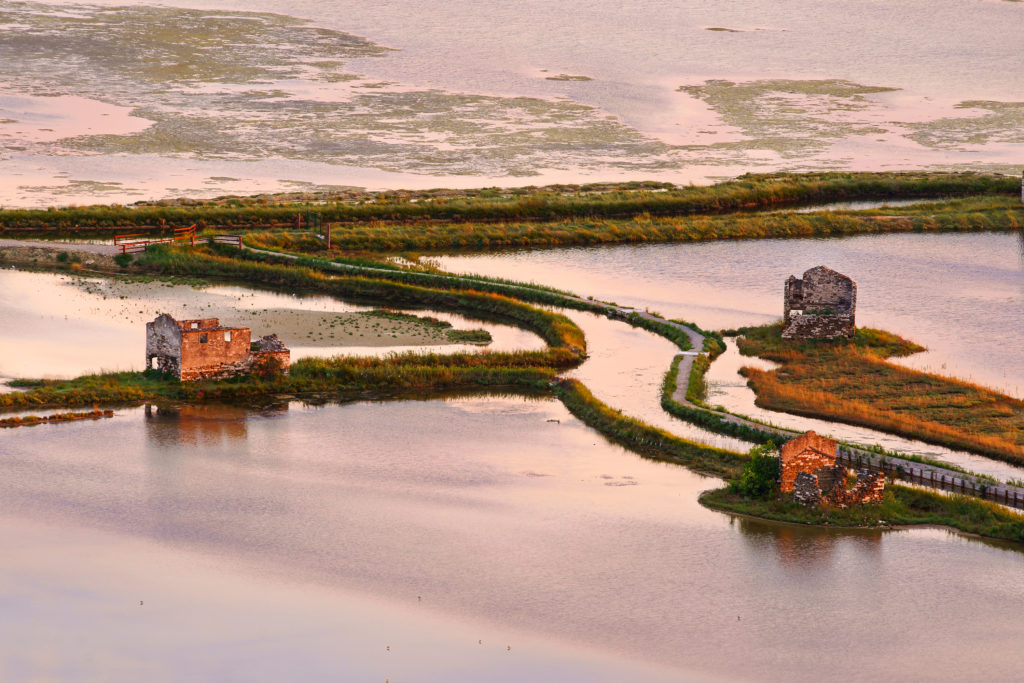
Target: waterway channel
(419, 540)
(451, 540)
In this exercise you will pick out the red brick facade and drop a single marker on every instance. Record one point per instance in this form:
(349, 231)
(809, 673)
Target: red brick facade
(202, 348)
(805, 453)
(809, 472)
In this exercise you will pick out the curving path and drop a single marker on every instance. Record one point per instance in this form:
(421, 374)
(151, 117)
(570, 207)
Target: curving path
(923, 474)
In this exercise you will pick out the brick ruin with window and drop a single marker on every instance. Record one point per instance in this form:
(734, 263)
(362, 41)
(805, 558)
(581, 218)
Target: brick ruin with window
(809, 471)
(822, 305)
(203, 349)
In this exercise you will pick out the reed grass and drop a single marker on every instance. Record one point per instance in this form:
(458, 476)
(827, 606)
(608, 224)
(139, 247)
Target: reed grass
(745, 193)
(425, 375)
(979, 214)
(850, 381)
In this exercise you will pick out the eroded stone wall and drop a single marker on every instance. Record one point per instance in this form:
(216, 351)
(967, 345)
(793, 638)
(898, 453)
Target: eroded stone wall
(163, 342)
(812, 326)
(822, 305)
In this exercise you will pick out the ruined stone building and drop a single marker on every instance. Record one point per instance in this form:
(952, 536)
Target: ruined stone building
(203, 349)
(810, 473)
(822, 305)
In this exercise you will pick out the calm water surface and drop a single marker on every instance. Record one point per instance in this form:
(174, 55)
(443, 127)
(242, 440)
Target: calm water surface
(60, 326)
(102, 104)
(318, 537)
(959, 295)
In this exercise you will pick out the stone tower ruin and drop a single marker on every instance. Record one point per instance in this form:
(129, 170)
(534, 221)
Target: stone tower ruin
(822, 305)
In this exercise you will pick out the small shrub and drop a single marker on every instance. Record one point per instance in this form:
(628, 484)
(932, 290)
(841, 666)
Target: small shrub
(124, 260)
(760, 476)
(63, 257)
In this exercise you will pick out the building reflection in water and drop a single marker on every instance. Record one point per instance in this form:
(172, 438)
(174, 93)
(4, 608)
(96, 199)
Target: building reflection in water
(800, 547)
(202, 425)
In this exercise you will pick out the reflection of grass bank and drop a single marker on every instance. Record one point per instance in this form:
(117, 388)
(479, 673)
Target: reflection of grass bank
(849, 381)
(901, 505)
(746, 193)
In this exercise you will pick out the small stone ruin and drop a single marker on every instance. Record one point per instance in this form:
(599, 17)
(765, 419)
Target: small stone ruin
(810, 473)
(203, 349)
(822, 305)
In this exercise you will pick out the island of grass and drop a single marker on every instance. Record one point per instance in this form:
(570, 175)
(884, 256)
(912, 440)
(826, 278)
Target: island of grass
(849, 380)
(533, 372)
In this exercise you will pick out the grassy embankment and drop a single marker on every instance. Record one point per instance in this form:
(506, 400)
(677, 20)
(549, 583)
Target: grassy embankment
(525, 369)
(521, 291)
(901, 505)
(562, 216)
(29, 420)
(850, 381)
(521, 372)
(975, 214)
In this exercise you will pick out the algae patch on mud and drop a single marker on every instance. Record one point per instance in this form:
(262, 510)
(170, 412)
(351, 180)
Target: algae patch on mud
(245, 86)
(997, 122)
(790, 117)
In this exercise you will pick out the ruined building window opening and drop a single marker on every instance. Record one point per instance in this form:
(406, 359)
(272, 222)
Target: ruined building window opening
(154, 363)
(195, 326)
(203, 338)
(227, 336)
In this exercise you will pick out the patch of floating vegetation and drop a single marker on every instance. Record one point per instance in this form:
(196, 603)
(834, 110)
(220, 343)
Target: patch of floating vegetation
(237, 89)
(1002, 122)
(790, 117)
(568, 77)
(424, 131)
(76, 186)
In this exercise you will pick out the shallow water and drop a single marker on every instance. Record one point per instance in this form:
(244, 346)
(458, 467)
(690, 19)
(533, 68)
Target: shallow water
(61, 326)
(484, 520)
(960, 295)
(727, 388)
(272, 96)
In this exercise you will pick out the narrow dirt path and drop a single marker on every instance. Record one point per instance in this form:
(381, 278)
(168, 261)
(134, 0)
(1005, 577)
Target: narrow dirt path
(102, 249)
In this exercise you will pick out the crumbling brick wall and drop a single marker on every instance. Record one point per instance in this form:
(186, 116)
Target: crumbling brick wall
(822, 305)
(213, 352)
(869, 488)
(805, 453)
(809, 471)
(203, 349)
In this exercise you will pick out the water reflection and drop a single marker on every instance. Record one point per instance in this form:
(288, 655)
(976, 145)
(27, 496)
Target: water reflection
(903, 285)
(197, 425)
(804, 548)
(492, 510)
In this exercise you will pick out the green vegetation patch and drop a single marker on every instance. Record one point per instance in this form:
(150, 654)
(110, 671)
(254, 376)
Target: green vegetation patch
(404, 221)
(790, 117)
(901, 505)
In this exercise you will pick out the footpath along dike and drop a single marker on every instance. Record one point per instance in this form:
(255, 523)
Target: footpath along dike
(676, 402)
(928, 475)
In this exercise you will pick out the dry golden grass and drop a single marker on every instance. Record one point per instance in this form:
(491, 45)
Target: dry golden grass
(850, 381)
